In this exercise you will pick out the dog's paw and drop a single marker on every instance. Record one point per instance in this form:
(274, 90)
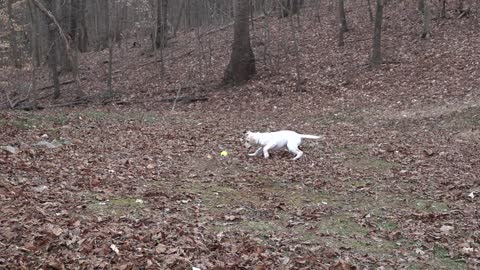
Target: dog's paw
(251, 155)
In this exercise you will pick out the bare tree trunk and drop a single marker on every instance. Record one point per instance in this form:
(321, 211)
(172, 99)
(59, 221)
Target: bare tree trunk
(179, 18)
(377, 36)
(36, 29)
(62, 15)
(242, 61)
(299, 80)
(15, 57)
(188, 14)
(103, 24)
(370, 13)
(443, 12)
(162, 24)
(78, 29)
(110, 35)
(290, 7)
(52, 54)
(54, 23)
(82, 26)
(33, 91)
(342, 21)
(424, 9)
(267, 37)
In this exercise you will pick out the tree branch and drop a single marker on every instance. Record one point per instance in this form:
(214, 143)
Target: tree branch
(65, 41)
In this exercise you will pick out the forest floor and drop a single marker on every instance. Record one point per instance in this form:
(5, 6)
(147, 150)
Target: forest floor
(139, 184)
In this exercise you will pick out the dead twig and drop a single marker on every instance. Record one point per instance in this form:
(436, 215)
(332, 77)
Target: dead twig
(170, 58)
(184, 99)
(176, 98)
(72, 103)
(8, 99)
(63, 83)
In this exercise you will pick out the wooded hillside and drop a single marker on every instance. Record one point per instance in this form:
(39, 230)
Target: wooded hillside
(122, 134)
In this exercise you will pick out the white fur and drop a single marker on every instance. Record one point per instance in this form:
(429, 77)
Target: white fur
(276, 140)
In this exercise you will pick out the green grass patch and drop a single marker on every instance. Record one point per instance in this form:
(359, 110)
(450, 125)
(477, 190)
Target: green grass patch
(33, 121)
(116, 207)
(341, 224)
(341, 117)
(444, 261)
(469, 117)
(430, 206)
(213, 195)
(388, 225)
(96, 115)
(370, 163)
(357, 158)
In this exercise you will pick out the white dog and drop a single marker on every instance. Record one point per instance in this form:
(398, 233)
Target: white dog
(277, 140)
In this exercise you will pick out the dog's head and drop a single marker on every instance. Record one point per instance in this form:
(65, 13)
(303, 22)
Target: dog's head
(249, 139)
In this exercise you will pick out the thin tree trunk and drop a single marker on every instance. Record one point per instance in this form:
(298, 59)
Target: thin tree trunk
(377, 36)
(37, 30)
(82, 26)
(443, 12)
(242, 61)
(33, 91)
(163, 15)
(179, 18)
(15, 57)
(103, 24)
(267, 35)
(78, 29)
(110, 36)
(299, 80)
(52, 54)
(97, 23)
(162, 23)
(424, 9)
(370, 13)
(342, 21)
(78, 90)
(62, 16)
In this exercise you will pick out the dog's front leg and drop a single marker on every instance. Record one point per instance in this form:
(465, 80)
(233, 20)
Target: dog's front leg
(265, 150)
(257, 152)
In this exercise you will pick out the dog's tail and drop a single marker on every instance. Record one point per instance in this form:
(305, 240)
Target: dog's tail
(306, 136)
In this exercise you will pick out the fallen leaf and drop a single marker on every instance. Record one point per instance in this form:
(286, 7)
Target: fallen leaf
(115, 249)
(10, 149)
(230, 217)
(161, 248)
(342, 265)
(445, 229)
(151, 166)
(40, 189)
(46, 144)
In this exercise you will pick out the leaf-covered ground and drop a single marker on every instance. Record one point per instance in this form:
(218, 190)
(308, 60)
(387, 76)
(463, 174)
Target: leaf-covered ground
(394, 184)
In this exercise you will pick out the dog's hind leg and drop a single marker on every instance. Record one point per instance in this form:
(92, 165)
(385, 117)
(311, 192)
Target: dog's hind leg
(257, 152)
(293, 148)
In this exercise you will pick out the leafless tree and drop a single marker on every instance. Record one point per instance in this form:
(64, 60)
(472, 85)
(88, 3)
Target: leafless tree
(342, 21)
(78, 28)
(242, 61)
(54, 26)
(376, 58)
(162, 24)
(424, 9)
(14, 52)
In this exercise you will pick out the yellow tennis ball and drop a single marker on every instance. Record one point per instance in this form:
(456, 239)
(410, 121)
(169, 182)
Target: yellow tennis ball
(224, 153)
